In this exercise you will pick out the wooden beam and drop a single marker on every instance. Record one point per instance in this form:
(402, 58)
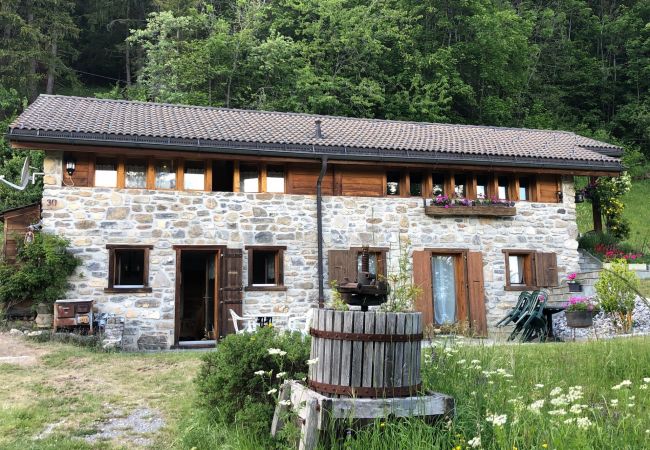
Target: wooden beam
(145, 152)
(208, 176)
(235, 176)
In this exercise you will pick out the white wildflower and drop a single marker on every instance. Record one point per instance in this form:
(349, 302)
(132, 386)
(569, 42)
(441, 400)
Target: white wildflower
(473, 393)
(490, 382)
(281, 375)
(630, 405)
(539, 386)
(616, 388)
(461, 361)
(646, 380)
(577, 408)
(555, 392)
(285, 402)
(476, 361)
(311, 362)
(631, 397)
(260, 372)
(643, 386)
(536, 406)
(272, 391)
(477, 367)
(570, 421)
(474, 442)
(501, 371)
(274, 351)
(558, 412)
(497, 420)
(614, 402)
(626, 383)
(559, 401)
(583, 422)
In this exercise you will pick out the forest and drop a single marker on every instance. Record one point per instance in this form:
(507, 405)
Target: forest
(579, 65)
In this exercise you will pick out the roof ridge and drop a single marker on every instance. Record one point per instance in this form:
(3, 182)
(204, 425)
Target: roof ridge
(326, 116)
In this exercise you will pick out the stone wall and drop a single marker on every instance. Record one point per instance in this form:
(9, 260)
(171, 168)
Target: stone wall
(94, 217)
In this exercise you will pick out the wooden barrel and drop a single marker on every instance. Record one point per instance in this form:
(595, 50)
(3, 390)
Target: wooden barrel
(366, 354)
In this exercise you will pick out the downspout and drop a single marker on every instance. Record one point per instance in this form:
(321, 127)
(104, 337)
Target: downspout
(319, 221)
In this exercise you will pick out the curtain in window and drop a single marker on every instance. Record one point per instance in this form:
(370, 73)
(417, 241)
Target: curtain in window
(444, 289)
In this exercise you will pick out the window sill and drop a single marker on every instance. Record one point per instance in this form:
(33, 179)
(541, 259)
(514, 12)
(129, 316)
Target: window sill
(265, 288)
(520, 288)
(142, 290)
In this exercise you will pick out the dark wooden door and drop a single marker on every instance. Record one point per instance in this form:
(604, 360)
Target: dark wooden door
(230, 288)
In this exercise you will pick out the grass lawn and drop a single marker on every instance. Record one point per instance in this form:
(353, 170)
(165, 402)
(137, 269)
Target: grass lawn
(636, 211)
(73, 388)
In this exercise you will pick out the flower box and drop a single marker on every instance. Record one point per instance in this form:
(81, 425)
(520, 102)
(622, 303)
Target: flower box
(579, 319)
(456, 210)
(575, 287)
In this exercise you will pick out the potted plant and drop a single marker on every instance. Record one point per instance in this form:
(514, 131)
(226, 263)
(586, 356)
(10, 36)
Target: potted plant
(580, 312)
(574, 285)
(40, 275)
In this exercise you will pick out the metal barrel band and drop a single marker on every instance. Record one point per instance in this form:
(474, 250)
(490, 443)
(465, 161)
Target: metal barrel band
(366, 392)
(365, 337)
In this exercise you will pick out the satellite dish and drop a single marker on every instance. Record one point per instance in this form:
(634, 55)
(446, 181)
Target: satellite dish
(24, 178)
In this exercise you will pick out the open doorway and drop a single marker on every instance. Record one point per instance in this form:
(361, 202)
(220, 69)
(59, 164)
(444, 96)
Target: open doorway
(196, 297)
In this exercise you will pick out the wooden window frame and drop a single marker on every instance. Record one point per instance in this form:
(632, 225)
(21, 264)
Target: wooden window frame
(279, 267)
(382, 261)
(529, 270)
(180, 177)
(112, 248)
(460, 270)
(121, 180)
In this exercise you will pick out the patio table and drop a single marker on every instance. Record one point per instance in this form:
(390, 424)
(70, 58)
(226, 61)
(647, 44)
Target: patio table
(549, 310)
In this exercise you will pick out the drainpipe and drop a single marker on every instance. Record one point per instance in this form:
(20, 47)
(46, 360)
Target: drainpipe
(319, 220)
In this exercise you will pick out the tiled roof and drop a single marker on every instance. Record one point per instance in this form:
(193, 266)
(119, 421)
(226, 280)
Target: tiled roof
(123, 120)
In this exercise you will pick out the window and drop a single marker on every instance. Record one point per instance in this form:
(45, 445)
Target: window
(194, 175)
(502, 188)
(438, 184)
(481, 186)
(106, 172)
(460, 186)
(415, 184)
(128, 269)
(165, 174)
(524, 189)
(519, 269)
(249, 178)
(392, 183)
(265, 268)
(135, 173)
(275, 179)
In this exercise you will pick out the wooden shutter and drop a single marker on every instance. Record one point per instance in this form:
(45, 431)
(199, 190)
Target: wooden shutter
(476, 294)
(422, 279)
(546, 274)
(342, 264)
(547, 187)
(231, 288)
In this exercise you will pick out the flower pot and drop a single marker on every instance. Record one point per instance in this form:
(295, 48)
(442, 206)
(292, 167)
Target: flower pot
(575, 287)
(45, 315)
(579, 319)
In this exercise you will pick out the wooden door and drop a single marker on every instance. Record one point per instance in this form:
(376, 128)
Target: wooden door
(230, 288)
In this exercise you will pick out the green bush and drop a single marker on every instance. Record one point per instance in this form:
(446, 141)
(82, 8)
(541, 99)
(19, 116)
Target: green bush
(229, 386)
(40, 272)
(615, 291)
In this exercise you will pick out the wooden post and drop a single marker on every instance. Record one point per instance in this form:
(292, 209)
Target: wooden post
(596, 211)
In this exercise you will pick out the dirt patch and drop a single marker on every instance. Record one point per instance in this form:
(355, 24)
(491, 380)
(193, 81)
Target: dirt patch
(16, 350)
(136, 429)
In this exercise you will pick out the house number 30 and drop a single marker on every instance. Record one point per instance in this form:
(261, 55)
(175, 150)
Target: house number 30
(51, 202)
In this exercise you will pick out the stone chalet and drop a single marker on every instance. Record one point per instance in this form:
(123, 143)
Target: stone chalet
(181, 213)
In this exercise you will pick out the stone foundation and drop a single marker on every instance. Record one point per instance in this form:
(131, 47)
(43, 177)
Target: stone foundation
(93, 217)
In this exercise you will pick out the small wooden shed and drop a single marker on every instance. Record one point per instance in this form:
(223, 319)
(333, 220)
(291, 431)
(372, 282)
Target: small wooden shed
(16, 223)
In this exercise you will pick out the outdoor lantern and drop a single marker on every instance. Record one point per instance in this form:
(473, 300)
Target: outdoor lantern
(70, 166)
(560, 195)
(580, 197)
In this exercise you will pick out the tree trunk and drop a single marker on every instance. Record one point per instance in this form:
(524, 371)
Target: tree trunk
(127, 57)
(596, 212)
(51, 68)
(32, 92)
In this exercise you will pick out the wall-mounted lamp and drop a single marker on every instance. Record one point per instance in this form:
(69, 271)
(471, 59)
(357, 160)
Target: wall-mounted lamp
(70, 166)
(560, 195)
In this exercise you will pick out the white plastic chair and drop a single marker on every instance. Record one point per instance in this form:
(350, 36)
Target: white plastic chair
(300, 323)
(248, 326)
